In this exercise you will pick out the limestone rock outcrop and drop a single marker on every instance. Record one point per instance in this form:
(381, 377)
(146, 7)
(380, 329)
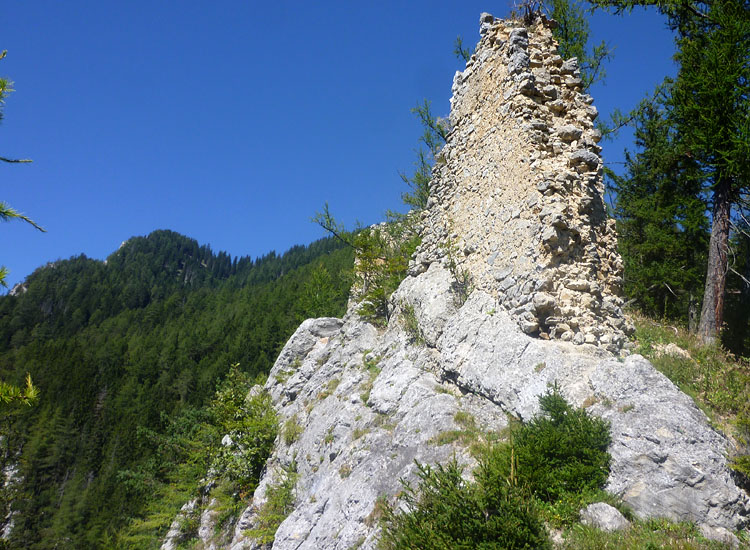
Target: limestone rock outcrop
(370, 402)
(516, 204)
(604, 517)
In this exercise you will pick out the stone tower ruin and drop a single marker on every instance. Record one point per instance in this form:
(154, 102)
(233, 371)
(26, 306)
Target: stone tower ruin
(517, 191)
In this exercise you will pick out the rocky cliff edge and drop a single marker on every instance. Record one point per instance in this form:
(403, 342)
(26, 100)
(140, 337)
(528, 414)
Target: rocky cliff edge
(518, 191)
(371, 402)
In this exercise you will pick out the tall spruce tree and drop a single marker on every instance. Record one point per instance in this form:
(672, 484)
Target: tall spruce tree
(711, 113)
(661, 216)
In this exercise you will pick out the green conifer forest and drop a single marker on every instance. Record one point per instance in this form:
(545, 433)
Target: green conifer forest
(127, 355)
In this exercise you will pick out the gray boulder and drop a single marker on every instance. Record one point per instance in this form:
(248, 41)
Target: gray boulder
(603, 516)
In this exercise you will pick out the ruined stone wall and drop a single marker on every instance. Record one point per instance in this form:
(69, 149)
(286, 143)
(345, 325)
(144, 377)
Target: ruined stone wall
(517, 190)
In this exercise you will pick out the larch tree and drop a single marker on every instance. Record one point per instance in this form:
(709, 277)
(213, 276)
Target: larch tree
(11, 395)
(6, 212)
(710, 110)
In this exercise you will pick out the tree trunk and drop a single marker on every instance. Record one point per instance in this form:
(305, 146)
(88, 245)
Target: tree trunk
(712, 313)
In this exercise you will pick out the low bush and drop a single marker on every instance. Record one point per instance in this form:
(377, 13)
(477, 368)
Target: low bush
(446, 512)
(280, 497)
(410, 323)
(560, 451)
(251, 423)
(549, 467)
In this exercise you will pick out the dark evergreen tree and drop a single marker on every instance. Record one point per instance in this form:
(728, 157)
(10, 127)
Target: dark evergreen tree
(711, 113)
(661, 217)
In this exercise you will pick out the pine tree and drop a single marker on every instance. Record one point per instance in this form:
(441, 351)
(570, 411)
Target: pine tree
(712, 109)
(6, 212)
(434, 135)
(9, 394)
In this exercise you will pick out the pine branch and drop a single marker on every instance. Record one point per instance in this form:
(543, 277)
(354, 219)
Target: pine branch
(460, 51)
(7, 213)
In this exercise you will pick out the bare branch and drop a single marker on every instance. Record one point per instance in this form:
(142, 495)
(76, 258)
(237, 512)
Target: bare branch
(744, 279)
(669, 288)
(15, 161)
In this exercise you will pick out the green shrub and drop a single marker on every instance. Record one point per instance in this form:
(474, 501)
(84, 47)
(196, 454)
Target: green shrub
(280, 496)
(550, 468)
(410, 324)
(292, 430)
(382, 259)
(563, 450)
(446, 512)
(252, 425)
(383, 255)
(224, 501)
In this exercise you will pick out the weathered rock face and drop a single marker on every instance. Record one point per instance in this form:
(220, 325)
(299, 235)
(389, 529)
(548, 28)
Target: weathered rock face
(518, 193)
(517, 190)
(10, 478)
(368, 407)
(363, 428)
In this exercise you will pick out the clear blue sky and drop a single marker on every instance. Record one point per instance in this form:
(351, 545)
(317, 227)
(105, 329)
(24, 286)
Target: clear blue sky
(232, 122)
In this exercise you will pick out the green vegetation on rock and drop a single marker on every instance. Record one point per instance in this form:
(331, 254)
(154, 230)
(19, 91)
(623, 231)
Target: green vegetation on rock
(446, 512)
(230, 439)
(562, 450)
(560, 456)
(279, 503)
(717, 381)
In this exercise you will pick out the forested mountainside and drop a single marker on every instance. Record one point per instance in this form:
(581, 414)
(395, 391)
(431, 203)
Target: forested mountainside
(124, 350)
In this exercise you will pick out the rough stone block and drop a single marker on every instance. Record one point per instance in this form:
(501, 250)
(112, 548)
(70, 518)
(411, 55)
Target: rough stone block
(603, 516)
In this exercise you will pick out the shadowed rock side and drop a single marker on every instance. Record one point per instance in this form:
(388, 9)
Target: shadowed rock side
(518, 191)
